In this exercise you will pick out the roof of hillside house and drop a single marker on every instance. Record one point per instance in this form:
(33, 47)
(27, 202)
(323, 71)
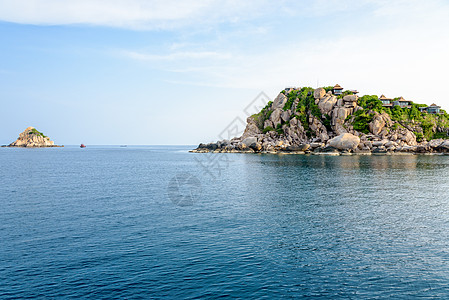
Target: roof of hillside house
(434, 105)
(401, 99)
(337, 87)
(382, 97)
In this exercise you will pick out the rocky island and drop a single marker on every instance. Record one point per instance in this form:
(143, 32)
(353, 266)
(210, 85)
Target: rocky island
(32, 138)
(333, 121)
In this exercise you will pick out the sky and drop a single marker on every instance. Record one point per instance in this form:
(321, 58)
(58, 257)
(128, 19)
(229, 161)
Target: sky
(141, 72)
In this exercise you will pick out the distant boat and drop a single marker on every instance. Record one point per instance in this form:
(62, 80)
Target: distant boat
(83, 146)
(123, 146)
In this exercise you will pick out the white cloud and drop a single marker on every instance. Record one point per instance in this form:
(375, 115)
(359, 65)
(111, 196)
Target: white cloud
(404, 53)
(134, 14)
(157, 14)
(400, 45)
(97, 12)
(176, 56)
(154, 14)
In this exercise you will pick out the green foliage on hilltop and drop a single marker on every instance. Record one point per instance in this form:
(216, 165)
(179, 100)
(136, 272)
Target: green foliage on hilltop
(36, 132)
(303, 119)
(412, 114)
(306, 105)
(370, 102)
(361, 121)
(425, 126)
(404, 115)
(263, 115)
(307, 102)
(290, 99)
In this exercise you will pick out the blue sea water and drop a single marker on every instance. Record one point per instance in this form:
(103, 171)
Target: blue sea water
(158, 222)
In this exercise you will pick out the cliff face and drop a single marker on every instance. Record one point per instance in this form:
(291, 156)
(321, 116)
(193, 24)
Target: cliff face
(32, 138)
(317, 121)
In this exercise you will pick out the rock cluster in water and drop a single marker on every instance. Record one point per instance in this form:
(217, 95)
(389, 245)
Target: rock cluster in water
(325, 125)
(32, 138)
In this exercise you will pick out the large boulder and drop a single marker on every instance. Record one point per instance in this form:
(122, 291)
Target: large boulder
(251, 128)
(326, 104)
(338, 128)
(319, 93)
(379, 122)
(285, 116)
(340, 113)
(435, 143)
(444, 146)
(294, 122)
(345, 141)
(279, 101)
(376, 125)
(249, 141)
(409, 138)
(275, 116)
(350, 101)
(350, 98)
(296, 132)
(318, 129)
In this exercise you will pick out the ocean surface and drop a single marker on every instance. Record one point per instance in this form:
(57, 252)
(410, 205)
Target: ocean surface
(155, 222)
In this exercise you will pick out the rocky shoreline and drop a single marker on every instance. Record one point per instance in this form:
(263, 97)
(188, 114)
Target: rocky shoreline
(431, 148)
(26, 146)
(319, 122)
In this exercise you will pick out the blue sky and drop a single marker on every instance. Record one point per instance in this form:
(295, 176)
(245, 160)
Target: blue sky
(170, 72)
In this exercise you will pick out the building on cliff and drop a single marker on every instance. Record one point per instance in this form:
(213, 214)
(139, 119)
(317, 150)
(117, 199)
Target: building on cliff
(386, 102)
(433, 109)
(337, 90)
(402, 103)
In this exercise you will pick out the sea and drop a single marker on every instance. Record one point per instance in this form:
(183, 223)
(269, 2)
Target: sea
(158, 222)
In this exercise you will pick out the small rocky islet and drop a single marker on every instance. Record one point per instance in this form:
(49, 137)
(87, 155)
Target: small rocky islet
(32, 138)
(333, 121)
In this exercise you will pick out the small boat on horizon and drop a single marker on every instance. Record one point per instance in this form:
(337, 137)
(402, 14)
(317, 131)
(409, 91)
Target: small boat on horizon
(83, 146)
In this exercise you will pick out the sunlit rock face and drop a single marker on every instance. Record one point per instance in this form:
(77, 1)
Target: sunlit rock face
(31, 137)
